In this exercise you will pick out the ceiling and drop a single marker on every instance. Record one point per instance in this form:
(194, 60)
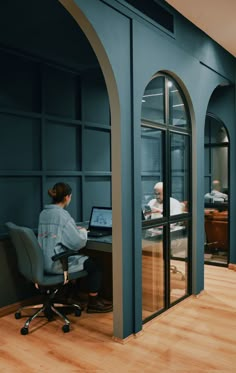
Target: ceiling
(217, 18)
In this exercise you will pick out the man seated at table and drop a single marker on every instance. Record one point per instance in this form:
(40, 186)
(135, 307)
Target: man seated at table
(216, 195)
(156, 204)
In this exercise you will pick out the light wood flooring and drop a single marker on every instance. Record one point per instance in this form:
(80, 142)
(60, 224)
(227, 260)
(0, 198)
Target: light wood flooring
(198, 335)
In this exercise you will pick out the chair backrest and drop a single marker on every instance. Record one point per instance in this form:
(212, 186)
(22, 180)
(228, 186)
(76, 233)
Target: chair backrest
(29, 254)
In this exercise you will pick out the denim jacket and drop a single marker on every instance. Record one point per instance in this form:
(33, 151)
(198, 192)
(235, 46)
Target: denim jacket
(58, 232)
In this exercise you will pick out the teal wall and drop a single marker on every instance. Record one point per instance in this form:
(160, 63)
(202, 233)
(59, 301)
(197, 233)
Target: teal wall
(128, 49)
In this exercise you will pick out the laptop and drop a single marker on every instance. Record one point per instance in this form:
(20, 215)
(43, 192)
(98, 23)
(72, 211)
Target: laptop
(100, 223)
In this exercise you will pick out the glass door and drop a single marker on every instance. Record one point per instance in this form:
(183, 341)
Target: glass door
(166, 213)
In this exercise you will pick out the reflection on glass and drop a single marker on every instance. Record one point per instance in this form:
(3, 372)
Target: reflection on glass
(177, 112)
(152, 271)
(218, 133)
(215, 132)
(178, 261)
(216, 196)
(153, 101)
(151, 165)
(151, 147)
(219, 167)
(179, 172)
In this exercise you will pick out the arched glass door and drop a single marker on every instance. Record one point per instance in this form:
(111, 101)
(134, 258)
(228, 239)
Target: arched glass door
(216, 199)
(166, 208)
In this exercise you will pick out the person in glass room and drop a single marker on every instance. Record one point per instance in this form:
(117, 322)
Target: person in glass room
(156, 204)
(216, 195)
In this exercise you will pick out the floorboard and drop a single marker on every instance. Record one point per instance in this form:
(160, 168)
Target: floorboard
(198, 335)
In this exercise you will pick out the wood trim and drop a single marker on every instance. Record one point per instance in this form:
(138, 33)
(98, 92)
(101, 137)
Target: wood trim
(232, 266)
(11, 308)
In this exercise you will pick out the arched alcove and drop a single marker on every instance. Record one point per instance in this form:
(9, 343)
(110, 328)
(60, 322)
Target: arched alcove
(55, 113)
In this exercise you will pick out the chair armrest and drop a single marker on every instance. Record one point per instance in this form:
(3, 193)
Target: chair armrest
(64, 255)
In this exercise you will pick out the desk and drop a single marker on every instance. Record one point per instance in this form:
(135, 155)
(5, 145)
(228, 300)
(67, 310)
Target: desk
(152, 269)
(216, 229)
(100, 249)
(152, 264)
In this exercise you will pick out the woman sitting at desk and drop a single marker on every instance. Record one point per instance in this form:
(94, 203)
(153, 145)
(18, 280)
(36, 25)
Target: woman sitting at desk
(58, 232)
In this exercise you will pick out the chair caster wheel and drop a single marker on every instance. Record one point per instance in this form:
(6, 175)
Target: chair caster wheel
(17, 315)
(78, 312)
(66, 328)
(24, 331)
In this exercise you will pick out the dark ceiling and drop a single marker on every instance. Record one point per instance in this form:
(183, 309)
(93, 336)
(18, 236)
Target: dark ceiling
(45, 29)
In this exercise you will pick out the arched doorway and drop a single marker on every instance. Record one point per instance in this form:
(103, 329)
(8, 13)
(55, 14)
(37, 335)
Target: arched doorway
(216, 199)
(54, 114)
(166, 196)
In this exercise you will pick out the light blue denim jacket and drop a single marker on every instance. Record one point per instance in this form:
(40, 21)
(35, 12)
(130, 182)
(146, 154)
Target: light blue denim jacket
(58, 232)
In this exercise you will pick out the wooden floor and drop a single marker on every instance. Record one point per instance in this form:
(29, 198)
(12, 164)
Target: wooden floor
(198, 335)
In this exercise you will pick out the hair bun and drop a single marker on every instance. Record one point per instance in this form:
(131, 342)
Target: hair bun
(52, 192)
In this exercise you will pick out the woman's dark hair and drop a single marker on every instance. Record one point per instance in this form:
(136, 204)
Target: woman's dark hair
(59, 192)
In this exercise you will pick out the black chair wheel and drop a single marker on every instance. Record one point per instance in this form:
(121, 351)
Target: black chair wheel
(24, 331)
(17, 315)
(66, 328)
(78, 312)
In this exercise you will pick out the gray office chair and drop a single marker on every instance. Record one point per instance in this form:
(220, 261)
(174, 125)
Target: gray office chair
(31, 266)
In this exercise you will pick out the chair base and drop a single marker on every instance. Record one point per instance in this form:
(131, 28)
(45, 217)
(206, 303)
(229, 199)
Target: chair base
(48, 310)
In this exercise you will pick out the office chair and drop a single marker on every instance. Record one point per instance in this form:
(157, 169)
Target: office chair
(31, 266)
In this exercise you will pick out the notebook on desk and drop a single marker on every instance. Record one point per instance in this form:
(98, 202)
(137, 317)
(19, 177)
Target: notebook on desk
(100, 223)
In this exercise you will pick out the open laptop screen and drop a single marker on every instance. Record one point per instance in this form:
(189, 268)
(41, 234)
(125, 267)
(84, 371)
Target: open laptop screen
(101, 218)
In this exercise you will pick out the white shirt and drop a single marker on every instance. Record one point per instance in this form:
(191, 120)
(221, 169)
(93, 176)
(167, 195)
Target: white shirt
(175, 207)
(216, 196)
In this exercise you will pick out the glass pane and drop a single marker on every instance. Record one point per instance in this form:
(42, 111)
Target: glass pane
(179, 174)
(152, 171)
(207, 182)
(220, 171)
(153, 101)
(217, 192)
(216, 196)
(207, 130)
(207, 160)
(217, 132)
(177, 110)
(152, 271)
(178, 261)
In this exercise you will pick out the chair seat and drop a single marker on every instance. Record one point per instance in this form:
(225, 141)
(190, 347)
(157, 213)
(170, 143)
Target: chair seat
(54, 279)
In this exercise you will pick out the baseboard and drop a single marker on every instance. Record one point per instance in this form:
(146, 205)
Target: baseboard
(232, 266)
(123, 341)
(11, 308)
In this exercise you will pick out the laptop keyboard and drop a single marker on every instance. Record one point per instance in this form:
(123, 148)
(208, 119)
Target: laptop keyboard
(98, 234)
